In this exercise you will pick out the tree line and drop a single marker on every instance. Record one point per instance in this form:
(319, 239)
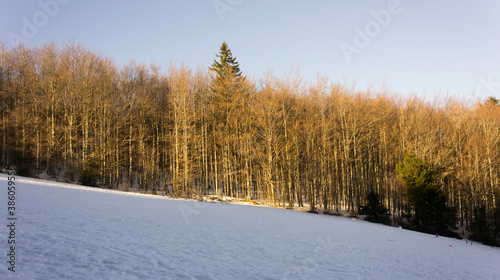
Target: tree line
(74, 115)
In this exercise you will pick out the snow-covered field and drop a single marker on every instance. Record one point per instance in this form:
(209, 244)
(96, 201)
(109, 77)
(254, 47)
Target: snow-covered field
(71, 232)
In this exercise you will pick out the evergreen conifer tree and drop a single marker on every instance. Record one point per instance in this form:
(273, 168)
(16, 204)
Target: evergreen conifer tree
(226, 85)
(226, 103)
(374, 210)
(427, 199)
(225, 66)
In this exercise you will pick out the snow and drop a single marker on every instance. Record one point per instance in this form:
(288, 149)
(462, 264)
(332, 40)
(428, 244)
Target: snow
(65, 231)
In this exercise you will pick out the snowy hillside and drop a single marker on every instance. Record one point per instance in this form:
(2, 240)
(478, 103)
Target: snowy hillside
(70, 232)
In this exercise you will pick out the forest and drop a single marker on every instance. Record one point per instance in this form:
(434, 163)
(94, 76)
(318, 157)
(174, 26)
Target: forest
(72, 114)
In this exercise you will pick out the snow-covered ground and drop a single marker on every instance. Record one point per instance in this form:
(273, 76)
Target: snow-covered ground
(70, 232)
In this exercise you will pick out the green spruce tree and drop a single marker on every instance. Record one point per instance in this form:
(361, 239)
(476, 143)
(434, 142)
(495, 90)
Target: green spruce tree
(493, 101)
(226, 86)
(225, 66)
(227, 102)
(374, 210)
(427, 199)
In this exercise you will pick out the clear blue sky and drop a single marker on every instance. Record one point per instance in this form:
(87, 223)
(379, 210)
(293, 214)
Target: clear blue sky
(426, 47)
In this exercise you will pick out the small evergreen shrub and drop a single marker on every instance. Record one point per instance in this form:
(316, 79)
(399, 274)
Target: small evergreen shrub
(374, 209)
(90, 173)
